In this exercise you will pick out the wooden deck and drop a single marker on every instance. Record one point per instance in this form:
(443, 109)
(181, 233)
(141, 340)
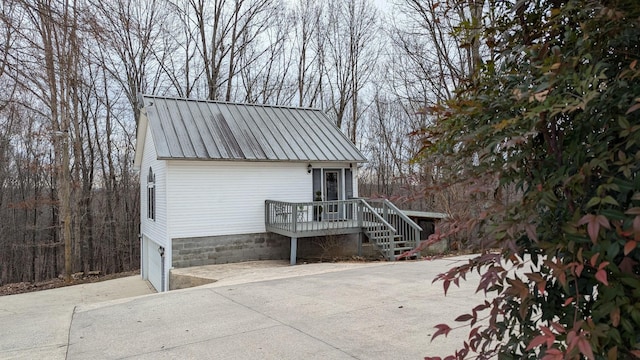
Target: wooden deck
(381, 221)
(311, 219)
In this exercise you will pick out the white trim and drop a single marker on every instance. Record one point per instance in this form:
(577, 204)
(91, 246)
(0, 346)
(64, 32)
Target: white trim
(141, 137)
(168, 250)
(343, 196)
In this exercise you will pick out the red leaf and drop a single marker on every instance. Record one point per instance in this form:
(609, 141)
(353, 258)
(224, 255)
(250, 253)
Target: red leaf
(635, 353)
(542, 286)
(593, 225)
(537, 341)
(601, 275)
(562, 278)
(442, 329)
(633, 211)
(593, 228)
(482, 306)
(445, 285)
(615, 316)
(568, 301)
(633, 108)
(585, 348)
(553, 354)
(531, 232)
(593, 259)
(627, 265)
(585, 219)
(547, 331)
(629, 246)
(557, 327)
(602, 220)
(474, 332)
(465, 317)
(579, 269)
(432, 358)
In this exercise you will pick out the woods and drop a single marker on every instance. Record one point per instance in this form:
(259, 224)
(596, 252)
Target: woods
(519, 119)
(71, 70)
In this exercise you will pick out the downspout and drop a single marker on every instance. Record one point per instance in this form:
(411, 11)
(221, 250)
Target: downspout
(142, 271)
(162, 276)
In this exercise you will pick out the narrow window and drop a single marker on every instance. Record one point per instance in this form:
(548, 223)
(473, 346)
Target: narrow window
(151, 195)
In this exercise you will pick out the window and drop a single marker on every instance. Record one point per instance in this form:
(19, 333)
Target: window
(151, 195)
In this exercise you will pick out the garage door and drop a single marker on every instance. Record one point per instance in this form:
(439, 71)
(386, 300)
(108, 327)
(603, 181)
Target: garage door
(154, 264)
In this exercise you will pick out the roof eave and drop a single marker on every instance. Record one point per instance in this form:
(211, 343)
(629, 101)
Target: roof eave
(141, 137)
(263, 160)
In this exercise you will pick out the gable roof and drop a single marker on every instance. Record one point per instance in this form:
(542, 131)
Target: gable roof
(212, 130)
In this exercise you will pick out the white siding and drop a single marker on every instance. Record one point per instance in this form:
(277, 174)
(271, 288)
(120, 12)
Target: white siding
(209, 198)
(154, 230)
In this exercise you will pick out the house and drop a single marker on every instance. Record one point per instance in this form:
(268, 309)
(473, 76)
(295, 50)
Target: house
(223, 182)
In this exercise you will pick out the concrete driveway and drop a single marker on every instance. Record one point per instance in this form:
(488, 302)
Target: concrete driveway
(36, 325)
(363, 311)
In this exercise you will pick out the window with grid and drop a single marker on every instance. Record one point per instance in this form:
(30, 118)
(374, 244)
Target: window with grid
(151, 195)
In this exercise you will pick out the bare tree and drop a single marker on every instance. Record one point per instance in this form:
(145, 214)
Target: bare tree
(56, 25)
(437, 56)
(47, 145)
(309, 50)
(351, 51)
(127, 33)
(177, 52)
(266, 64)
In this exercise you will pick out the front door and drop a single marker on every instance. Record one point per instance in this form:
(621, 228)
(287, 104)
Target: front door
(332, 192)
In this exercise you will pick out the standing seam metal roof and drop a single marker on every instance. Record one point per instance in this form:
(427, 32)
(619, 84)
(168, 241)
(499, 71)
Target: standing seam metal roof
(212, 130)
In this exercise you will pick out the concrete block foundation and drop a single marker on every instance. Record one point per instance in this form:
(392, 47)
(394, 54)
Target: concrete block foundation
(225, 249)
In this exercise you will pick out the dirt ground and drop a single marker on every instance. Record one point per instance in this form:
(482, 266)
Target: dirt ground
(79, 278)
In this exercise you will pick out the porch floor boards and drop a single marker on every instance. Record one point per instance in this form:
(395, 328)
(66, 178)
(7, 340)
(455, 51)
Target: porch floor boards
(319, 228)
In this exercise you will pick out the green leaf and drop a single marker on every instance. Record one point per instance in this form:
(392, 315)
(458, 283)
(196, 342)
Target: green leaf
(613, 214)
(623, 122)
(613, 250)
(593, 202)
(610, 200)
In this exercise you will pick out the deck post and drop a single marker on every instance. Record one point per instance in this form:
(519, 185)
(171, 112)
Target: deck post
(360, 243)
(385, 212)
(294, 217)
(294, 250)
(392, 247)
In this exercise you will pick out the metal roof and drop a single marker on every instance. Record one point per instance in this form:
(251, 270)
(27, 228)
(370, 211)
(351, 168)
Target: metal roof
(425, 214)
(212, 130)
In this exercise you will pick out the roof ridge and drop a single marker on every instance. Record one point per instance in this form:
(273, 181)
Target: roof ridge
(229, 102)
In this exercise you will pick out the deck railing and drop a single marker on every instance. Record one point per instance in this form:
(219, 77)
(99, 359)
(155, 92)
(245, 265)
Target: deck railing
(312, 216)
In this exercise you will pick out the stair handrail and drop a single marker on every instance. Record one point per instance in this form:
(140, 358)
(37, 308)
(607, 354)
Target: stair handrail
(379, 220)
(378, 217)
(413, 230)
(402, 215)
